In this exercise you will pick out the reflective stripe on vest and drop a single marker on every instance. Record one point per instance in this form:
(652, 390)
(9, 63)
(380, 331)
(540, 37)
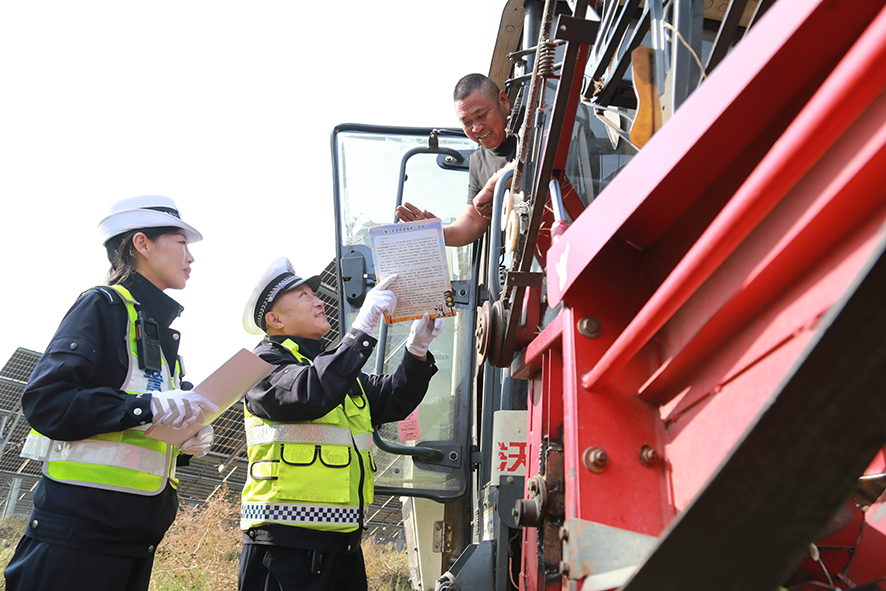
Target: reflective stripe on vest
(299, 514)
(309, 474)
(125, 461)
(304, 433)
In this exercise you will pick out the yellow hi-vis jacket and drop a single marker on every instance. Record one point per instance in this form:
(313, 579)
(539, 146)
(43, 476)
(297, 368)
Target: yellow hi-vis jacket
(124, 461)
(313, 474)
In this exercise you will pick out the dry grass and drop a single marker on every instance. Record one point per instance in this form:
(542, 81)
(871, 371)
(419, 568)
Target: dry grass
(386, 569)
(11, 529)
(201, 551)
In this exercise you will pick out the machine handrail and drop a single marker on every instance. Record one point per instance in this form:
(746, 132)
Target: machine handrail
(492, 278)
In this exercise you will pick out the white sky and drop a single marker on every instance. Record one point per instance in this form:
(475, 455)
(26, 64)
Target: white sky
(227, 108)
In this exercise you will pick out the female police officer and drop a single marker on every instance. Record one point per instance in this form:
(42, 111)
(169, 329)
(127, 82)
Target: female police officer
(107, 495)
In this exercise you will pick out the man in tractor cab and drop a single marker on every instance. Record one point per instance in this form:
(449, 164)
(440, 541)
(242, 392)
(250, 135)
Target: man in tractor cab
(483, 110)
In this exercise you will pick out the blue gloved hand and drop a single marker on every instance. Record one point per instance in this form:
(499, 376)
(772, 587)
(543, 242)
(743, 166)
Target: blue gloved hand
(378, 301)
(421, 333)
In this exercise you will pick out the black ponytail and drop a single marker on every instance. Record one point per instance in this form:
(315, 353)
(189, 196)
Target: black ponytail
(121, 251)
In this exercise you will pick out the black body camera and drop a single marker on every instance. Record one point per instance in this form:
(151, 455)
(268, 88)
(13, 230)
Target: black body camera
(147, 339)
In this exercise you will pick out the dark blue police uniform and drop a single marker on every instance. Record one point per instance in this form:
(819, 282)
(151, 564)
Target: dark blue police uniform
(81, 538)
(278, 557)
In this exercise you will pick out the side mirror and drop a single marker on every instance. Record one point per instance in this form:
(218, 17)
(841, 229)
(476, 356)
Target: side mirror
(354, 263)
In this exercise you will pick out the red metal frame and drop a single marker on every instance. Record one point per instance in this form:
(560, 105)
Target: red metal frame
(707, 262)
(718, 135)
(860, 77)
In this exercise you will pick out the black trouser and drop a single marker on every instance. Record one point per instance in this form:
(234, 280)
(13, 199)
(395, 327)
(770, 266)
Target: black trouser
(38, 566)
(273, 568)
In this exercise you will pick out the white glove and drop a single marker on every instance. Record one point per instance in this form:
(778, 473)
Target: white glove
(199, 443)
(179, 408)
(378, 301)
(421, 333)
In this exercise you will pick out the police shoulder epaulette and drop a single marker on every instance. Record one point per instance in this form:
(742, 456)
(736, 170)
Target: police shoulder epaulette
(113, 296)
(107, 293)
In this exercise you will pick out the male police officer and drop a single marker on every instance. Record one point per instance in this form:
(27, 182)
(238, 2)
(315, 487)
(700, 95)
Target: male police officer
(483, 111)
(309, 433)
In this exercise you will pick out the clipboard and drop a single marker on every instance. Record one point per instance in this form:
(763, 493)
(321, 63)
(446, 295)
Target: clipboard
(416, 253)
(224, 387)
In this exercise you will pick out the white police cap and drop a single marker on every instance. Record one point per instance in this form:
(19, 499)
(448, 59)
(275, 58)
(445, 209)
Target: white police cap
(146, 211)
(277, 279)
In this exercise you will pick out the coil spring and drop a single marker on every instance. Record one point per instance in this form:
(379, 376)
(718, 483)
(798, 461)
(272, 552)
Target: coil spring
(546, 58)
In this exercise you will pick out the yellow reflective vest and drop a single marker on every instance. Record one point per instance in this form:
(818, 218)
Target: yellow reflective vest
(313, 474)
(124, 461)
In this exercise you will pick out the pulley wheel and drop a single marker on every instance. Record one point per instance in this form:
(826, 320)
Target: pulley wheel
(512, 229)
(499, 353)
(484, 330)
